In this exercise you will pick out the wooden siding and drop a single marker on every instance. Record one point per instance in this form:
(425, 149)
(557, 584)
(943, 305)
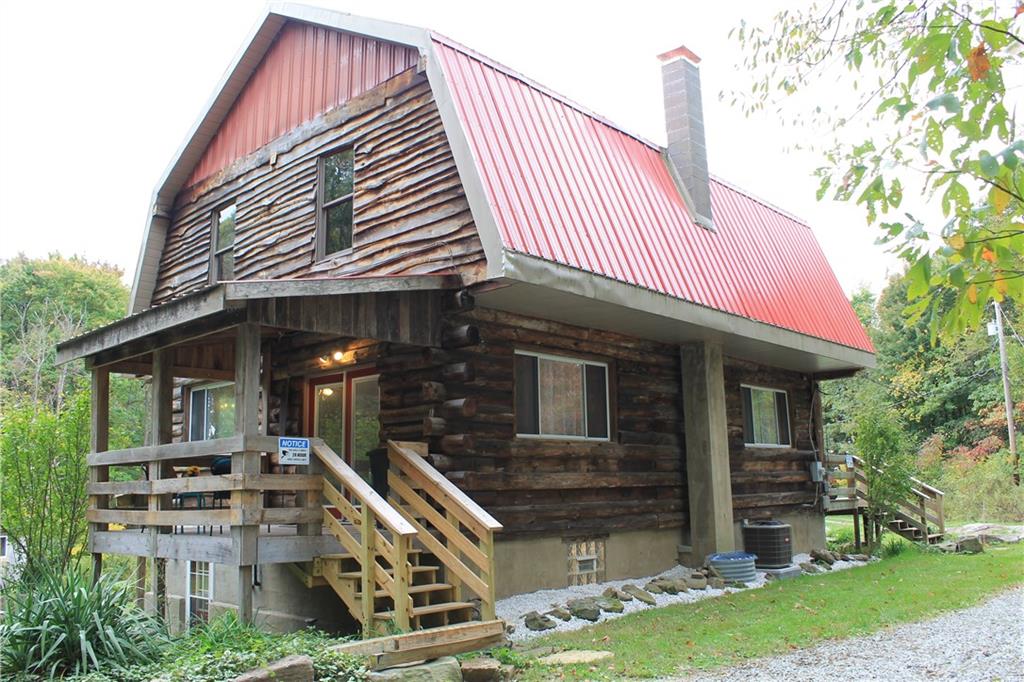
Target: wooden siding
(461, 400)
(308, 70)
(411, 214)
(770, 481)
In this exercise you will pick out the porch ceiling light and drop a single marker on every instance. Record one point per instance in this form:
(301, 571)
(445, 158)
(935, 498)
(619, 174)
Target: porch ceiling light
(338, 356)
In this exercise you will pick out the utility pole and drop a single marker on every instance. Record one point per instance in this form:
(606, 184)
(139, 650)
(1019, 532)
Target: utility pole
(1007, 395)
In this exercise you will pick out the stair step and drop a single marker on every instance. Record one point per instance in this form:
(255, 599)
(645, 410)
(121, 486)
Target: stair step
(415, 569)
(418, 589)
(352, 556)
(429, 610)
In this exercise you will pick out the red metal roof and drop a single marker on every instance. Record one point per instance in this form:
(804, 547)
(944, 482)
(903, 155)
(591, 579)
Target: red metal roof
(568, 186)
(308, 70)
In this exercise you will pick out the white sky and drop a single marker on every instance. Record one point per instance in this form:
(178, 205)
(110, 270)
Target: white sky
(95, 97)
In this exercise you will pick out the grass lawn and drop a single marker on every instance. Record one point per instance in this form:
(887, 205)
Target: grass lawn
(790, 614)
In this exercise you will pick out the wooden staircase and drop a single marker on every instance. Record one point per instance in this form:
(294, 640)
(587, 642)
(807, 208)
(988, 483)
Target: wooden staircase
(428, 560)
(918, 517)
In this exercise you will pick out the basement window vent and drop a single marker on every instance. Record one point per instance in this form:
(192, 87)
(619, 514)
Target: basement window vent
(586, 561)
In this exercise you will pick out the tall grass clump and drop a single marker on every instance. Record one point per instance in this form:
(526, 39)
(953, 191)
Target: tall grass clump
(58, 624)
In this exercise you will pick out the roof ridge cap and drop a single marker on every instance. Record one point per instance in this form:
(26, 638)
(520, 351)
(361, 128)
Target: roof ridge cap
(536, 85)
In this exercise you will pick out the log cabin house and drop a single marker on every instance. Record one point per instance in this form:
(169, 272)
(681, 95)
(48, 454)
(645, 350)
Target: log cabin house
(530, 348)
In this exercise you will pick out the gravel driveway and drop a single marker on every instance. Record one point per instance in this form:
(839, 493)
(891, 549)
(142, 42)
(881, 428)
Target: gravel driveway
(984, 642)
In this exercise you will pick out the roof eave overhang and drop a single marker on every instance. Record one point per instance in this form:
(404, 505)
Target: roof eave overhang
(227, 296)
(534, 286)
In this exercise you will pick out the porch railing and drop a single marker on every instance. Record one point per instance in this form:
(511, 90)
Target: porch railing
(451, 526)
(162, 488)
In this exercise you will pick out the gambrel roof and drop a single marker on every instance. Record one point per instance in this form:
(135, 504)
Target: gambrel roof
(575, 209)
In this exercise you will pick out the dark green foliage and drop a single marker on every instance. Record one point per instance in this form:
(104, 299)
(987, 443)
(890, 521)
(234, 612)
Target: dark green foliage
(57, 623)
(225, 648)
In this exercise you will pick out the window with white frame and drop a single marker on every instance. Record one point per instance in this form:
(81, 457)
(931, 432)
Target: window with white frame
(765, 417)
(200, 591)
(211, 412)
(561, 397)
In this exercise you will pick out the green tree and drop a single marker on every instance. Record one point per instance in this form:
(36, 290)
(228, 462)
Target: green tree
(44, 475)
(925, 107)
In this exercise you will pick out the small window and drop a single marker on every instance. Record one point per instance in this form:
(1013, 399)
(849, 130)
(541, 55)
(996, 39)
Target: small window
(765, 417)
(561, 397)
(222, 253)
(200, 591)
(586, 561)
(334, 203)
(211, 412)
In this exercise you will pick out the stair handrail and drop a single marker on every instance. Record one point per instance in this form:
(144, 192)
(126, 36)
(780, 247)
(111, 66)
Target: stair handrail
(459, 509)
(372, 509)
(928, 498)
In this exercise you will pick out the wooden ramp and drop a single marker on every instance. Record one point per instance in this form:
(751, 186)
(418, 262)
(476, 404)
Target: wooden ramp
(424, 645)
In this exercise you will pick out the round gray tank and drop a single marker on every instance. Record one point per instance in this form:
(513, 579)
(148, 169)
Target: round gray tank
(735, 565)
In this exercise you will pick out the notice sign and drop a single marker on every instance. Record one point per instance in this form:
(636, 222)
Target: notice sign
(293, 450)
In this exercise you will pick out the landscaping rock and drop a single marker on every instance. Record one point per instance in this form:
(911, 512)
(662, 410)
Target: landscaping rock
(736, 584)
(290, 669)
(538, 623)
(482, 669)
(667, 586)
(445, 669)
(823, 555)
(697, 583)
(609, 604)
(714, 572)
(587, 609)
(971, 545)
(859, 557)
(559, 613)
(810, 568)
(653, 588)
(718, 583)
(575, 657)
(613, 593)
(641, 595)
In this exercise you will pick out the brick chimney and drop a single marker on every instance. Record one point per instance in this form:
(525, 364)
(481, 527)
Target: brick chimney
(684, 123)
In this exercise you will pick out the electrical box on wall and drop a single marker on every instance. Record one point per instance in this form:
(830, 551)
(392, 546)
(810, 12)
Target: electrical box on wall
(817, 472)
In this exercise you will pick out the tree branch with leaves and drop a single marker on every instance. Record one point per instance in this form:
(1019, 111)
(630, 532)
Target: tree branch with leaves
(924, 104)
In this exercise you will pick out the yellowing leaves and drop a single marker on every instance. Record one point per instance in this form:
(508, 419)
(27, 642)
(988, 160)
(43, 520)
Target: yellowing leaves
(988, 255)
(977, 62)
(972, 294)
(1000, 199)
(957, 241)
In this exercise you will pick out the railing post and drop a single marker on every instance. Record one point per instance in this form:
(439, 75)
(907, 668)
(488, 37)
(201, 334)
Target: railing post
(940, 512)
(487, 603)
(160, 434)
(454, 580)
(246, 503)
(100, 442)
(923, 510)
(367, 561)
(403, 570)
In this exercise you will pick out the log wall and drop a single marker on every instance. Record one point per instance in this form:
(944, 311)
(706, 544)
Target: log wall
(410, 212)
(770, 481)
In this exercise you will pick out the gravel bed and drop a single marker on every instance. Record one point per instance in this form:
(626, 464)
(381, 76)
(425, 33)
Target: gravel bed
(512, 609)
(984, 642)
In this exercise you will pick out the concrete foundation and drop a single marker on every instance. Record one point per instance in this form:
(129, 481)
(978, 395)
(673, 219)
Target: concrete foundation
(281, 603)
(542, 563)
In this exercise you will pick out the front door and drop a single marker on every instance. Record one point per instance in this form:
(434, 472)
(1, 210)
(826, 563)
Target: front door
(345, 412)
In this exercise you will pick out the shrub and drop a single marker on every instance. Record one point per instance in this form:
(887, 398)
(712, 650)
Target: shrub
(55, 625)
(841, 539)
(225, 648)
(982, 490)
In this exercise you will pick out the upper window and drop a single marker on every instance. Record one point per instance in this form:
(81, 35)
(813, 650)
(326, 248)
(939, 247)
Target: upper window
(211, 412)
(334, 203)
(561, 397)
(222, 244)
(765, 417)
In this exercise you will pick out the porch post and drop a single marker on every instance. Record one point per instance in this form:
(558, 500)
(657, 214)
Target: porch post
(246, 503)
(162, 393)
(99, 442)
(707, 450)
